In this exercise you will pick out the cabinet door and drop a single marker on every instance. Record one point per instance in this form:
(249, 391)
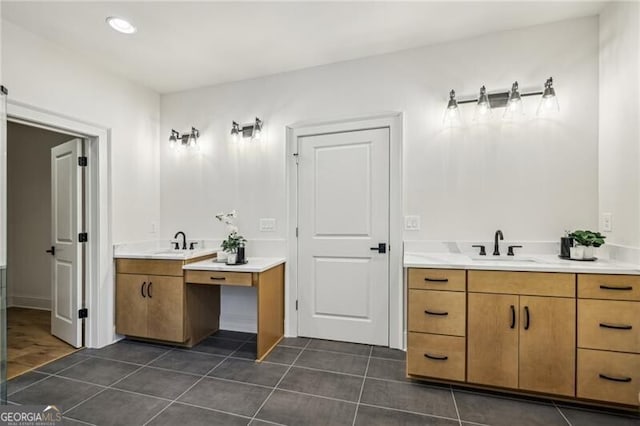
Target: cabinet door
(492, 339)
(165, 319)
(547, 344)
(131, 304)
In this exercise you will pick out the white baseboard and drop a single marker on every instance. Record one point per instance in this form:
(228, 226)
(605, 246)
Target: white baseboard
(28, 302)
(245, 323)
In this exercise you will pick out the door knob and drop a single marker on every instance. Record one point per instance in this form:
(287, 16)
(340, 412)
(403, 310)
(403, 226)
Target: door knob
(52, 250)
(382, 248)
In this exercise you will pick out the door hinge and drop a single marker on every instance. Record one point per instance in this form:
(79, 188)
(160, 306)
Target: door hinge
(82, 161)
(83, 237)
(83, 313)
(296, 232)
(296, 305)
(297, 157)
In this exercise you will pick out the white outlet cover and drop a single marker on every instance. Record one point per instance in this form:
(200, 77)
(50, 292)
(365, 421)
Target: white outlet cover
(607, 222)
(267, 225)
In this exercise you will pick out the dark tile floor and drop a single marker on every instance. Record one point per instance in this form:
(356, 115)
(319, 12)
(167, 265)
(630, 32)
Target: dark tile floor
(302, 382)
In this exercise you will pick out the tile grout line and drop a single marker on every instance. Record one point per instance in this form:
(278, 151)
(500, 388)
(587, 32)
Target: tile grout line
(116, 382)
(561, 413)
(410, 412)
(455, 404)
(364, 379)
(279, 381)
(196, 382)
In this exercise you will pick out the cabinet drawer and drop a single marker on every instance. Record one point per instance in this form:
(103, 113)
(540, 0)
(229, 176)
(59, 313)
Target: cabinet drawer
(527, 283)
(608, 376)
(437, 279)
(431, 355)
(219, 278)
(149, 267)
(617, 287)
(440, 312)
(609, 325)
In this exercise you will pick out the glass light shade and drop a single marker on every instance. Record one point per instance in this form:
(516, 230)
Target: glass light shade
(514, 108)
(549, 101)
(173, 140)
(452, 113)
(483, 106)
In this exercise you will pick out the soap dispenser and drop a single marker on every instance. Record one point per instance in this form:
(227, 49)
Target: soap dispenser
(566, 243)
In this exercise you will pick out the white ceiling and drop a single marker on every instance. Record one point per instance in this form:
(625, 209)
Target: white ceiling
(181, 45)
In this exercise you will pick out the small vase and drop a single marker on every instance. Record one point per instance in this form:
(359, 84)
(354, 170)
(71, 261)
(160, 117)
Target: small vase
(577, 252)
(588, 252)
(231, 259)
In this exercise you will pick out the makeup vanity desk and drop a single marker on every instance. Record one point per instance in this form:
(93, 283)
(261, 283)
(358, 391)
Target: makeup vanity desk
(266, 274)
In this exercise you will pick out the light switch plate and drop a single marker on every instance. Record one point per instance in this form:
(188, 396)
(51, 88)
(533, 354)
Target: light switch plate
(607, 222)
(412, 223)
(267, 225)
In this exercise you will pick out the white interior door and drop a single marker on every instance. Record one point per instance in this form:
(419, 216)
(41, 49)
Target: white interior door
(343, 208)
(66, 222)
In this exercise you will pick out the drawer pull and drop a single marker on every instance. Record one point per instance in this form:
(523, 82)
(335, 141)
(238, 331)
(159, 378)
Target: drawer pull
(437, 280)
(436, 357)
(623, 288)
(442, 314)
(615, 326)
(218, 278)
(615, 379)
(142, 289)
(527, 318)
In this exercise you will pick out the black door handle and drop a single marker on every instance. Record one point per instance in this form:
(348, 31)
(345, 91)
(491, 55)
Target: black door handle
(609, 287)
(616, 326)
(52, 250)
(513, 316)
(442, 314)
(436, 357)
(149, 290)
(142, 289)
(527, 318)
(615, 379)
(437, 280)
(382, 248)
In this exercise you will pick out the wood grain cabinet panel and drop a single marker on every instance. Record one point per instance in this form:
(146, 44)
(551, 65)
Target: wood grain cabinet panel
(608, 376)
(525, 283)
(614, 287)
(166, 308)
(439, 312)
(492, 339)
(547, 345)
(131, 304)
(609, 325)
(432, 355)
(437, 279)
(243, 279)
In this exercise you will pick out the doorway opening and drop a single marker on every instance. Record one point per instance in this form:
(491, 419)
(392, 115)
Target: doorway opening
(45, 265)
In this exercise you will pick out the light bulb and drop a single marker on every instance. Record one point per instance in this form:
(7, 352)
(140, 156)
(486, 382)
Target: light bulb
(549, 102)
(483, 106)
(452, 113)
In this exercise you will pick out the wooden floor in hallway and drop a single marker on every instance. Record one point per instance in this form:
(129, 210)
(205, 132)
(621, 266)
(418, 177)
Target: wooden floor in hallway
(30, 343)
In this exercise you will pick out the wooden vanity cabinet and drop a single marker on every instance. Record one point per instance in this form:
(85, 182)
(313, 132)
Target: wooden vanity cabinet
(524, 339)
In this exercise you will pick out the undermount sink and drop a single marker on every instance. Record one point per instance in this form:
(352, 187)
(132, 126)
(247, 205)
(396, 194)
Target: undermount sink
(503, 259)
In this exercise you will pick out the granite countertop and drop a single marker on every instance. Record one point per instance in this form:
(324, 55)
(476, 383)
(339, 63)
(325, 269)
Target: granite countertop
(533, 263)
(254, 264)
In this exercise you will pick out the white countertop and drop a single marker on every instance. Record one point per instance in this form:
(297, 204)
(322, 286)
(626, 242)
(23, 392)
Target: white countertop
(160, 250)
(254, 264)
(533, 263)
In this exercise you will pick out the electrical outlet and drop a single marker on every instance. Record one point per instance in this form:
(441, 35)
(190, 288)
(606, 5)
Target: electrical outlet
(607, 222)
(412, 223)
(267, 225)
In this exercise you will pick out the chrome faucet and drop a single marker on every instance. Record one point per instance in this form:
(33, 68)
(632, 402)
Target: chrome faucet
(496, 244)
(184, 240)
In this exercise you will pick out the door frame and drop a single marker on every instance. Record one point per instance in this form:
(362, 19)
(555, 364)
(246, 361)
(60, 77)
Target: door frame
(393, 121)
(98, 272)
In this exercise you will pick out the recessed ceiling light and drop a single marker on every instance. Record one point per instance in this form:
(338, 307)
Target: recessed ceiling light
(121, 25)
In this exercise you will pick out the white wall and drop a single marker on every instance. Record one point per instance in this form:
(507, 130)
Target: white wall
(619, 150)
(45, 75)
(29, 215)
(532, 179)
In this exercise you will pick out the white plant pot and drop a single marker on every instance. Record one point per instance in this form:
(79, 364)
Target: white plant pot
(231, 258)
(577, 252)
(589, 252)
(221, 256)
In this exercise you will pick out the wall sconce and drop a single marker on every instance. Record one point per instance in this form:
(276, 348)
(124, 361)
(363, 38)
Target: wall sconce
(452, 113)
(511, 100)
(251, 130)
(188, 140)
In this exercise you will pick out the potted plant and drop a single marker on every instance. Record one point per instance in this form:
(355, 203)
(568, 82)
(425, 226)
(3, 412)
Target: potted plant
(234, 241)
(586, 241)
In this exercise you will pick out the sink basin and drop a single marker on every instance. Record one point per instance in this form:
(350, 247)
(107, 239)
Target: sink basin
(170, 251)
(503, 259)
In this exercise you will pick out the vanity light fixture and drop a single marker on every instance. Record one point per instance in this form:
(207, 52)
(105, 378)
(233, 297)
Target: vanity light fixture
(511, 100)
(252, 130)
(451, 113)
(188, 140)
(121, 25)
